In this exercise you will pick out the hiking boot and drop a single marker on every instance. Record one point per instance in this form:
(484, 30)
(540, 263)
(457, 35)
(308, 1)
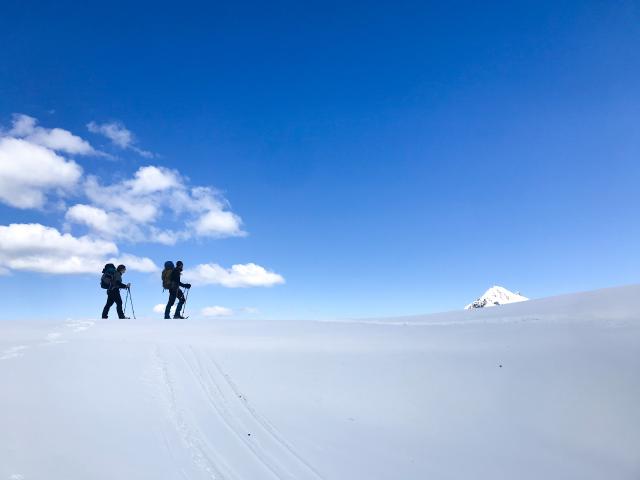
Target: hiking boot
(179, 316)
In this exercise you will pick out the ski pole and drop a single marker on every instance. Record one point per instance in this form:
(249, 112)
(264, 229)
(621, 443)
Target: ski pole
(184, 307)
(131, 296)
(125, 303)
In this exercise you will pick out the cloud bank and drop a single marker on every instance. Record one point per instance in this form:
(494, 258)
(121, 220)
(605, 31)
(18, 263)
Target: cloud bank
(238, 276)
(157, 204)
(33, 170)
(38, 248)
(130, 209)
(57, 139)
(28, 172)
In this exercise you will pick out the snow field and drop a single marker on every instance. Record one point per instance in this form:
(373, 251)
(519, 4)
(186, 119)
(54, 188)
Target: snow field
(541, 389)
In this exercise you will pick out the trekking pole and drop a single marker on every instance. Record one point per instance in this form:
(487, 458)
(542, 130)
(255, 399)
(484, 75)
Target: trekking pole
(131, 296)
(184, 307)
(125, 303)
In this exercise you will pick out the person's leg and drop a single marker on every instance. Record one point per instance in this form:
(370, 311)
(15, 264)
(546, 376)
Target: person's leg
(172, 299)
(107, 306)
(118, 300)
(180, 296)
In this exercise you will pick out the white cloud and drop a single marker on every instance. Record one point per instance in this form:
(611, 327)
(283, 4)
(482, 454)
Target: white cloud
(119, 135)
(216, 311)
(29, 171)
(166, 237)
(22, 125)
(212, 217)
(58, 139)
(92, 216)
(152, 179)
(130, 209)
(109, 225)
(115, 131)
(35, 247)
(141, 198)
(218, 223)
(118, 197)
(32, 168)
(95, 218)
(159, 308)
(238, 276)
(38, 248)
(133, 262)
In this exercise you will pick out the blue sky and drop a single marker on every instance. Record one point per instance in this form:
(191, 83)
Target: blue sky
(387, 158)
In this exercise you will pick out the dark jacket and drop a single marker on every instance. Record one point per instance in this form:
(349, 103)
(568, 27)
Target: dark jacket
(175, 279)
(117, 281)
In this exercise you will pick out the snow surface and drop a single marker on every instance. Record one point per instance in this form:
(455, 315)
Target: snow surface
(496, 295)
(542, 389)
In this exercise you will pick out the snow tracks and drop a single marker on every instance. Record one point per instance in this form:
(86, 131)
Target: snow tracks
(212, 422)
(55, 337)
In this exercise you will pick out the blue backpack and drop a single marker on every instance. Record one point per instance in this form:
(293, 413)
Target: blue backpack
(108, 272)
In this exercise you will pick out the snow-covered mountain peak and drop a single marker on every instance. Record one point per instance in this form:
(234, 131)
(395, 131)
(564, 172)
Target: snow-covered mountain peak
(496, 295)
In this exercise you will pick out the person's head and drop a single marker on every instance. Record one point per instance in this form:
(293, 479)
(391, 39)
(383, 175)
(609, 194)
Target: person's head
(179, 265)
(121, 269)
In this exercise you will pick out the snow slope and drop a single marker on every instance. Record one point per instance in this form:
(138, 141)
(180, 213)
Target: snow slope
(496, 295)
(542, 389)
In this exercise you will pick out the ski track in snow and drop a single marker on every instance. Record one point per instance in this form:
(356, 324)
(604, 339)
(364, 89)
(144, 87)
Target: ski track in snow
(203, 457)
(217, 400)
(262, 423)
(260, 440)
(265, 447)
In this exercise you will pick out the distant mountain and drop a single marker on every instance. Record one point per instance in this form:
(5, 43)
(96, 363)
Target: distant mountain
(496, 295)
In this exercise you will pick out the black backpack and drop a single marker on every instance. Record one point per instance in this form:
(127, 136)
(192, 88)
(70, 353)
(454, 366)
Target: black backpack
(108, 272)
(166, 275)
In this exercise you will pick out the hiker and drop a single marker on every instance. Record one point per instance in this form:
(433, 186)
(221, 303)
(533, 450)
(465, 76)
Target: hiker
(171, 281)
(112, 281)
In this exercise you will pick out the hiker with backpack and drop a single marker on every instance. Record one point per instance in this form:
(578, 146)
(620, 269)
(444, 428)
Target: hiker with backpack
(111, 281)
(171, 281)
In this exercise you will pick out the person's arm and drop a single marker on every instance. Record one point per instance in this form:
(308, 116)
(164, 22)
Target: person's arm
(176, 279)
(118, 282)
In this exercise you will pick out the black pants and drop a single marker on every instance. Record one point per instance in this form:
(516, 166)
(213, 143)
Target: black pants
(113, 296)
(173, 294)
